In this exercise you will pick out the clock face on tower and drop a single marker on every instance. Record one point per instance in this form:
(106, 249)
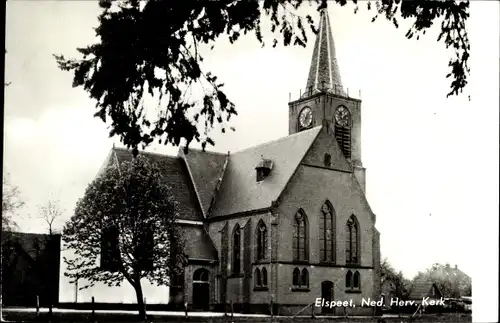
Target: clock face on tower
(305, 117)
(342, 116)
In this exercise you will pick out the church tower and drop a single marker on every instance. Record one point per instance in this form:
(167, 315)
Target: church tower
(325, 102)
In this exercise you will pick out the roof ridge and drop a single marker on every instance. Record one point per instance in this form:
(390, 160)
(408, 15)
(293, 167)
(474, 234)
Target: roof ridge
(278, 139)
(205, 151)
(143, 152)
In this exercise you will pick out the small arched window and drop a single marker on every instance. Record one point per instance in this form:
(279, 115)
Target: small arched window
(304, 281)
(348, 279)
(261, 240)
(236, 250)
(300, 278)
(352, 241)
(355, 282)
(296, 277)
(264, 277)
(328, 160)
(258, 279)
(300, 237)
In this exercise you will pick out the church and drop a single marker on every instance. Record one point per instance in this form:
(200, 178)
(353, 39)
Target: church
(281, 223)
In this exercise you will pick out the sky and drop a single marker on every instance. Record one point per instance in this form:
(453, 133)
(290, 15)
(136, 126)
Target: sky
(432, 161)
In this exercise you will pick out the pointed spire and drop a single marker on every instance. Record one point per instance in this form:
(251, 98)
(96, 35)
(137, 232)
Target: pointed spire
(324, 74)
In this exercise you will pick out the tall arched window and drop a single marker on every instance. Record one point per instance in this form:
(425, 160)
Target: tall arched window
(300, 237)
(352, 241)
(327, 233)
(236, 250)
(261, 240)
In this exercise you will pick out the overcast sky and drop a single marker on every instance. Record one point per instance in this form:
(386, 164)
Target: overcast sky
(432, 162)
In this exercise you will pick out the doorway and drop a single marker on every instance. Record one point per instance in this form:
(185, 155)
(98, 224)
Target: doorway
(327, 295)
(201, 290)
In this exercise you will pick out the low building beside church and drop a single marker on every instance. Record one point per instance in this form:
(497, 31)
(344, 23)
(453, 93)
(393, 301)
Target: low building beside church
(285, 222)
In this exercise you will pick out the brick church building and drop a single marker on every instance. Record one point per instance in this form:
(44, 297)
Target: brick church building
(283, 222)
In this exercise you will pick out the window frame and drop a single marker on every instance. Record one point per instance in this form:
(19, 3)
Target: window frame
(324, 253)
(300, 243)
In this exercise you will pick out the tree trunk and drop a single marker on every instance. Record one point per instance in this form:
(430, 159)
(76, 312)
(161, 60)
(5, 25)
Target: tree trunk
(140, 300)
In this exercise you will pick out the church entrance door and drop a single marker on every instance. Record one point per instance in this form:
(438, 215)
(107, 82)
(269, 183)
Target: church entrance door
(201, 290)
(327, 295)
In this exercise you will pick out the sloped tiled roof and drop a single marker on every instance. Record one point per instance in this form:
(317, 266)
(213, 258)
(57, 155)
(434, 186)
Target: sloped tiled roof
(239, 190)
(205, 168)
(176, 175)
(31, 243)
(423, 288)
(197, 243)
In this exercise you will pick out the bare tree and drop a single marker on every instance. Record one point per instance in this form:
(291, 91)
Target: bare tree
(11, 202)
(50, 212)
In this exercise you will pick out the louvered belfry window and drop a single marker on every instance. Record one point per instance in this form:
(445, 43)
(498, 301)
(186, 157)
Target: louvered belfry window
(343, 136)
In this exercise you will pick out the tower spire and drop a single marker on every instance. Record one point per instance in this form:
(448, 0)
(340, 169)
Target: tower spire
(324, 74)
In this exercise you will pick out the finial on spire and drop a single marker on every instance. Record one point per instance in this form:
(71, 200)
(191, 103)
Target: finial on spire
(324, 74)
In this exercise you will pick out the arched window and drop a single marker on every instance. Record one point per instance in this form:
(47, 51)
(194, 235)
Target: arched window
(352, 241)
(258, 279)
(327, 233)
(300, 278)
(264, 277)
(352, 281)
(343, 130)
(200, 275)
(110, 250)
(348, 279)
(261, 240)
(300, 237)
(355, 280)
(304, 281)
(236, 250)
(296, 277)
(328, 160)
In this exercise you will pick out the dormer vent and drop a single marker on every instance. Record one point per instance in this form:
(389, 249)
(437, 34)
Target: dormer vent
(264, 169)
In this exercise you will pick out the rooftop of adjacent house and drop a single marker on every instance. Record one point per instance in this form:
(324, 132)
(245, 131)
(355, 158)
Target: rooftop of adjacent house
(31, 243)
(424, 288)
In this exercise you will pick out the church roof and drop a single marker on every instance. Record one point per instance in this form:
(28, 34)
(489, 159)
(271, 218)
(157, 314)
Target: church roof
(205, 170)
(197, 243)
(240, 192)
(324, 73)
(226, 183)
(176, 175)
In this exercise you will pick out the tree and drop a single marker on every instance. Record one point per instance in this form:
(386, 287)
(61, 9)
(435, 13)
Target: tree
(11, 202)
(153, 48)
(452, 282)
(124, 229)
(398, 285)
(50, 212)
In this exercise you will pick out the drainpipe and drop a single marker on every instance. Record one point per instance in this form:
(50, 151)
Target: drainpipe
(274, 252)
